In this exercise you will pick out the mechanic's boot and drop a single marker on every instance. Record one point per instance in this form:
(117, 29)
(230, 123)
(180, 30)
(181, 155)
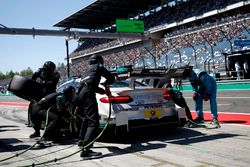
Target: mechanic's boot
(191, 124)
(89, 154)
(199, 120)
(44, 143)
(28, 124)
(52, 135)
(215, 122)
(35, 134)
(80, 143)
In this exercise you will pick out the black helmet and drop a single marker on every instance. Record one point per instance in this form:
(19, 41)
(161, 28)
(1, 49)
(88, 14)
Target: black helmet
(68, 91)
(96, 59)
(49, 65)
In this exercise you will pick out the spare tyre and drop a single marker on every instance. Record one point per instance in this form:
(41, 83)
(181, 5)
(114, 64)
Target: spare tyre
(25, 88)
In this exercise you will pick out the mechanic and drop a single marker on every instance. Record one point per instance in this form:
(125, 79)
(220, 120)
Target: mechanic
(48, 78)
(61, 107)
(87, 103)
(205, 88)
(179, 100)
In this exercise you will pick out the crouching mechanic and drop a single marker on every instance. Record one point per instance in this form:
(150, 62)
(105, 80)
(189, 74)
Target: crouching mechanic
(47, 77)
(179, 100)
(87, 104)
(59, 107)
(205, 88)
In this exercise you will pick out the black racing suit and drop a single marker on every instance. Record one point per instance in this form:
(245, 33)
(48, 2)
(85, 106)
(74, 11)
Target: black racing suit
(60, 110)
(87, 104)
(178, 99)
(48, 82)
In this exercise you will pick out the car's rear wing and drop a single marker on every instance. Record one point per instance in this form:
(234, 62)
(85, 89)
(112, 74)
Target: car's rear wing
(154, 77)
(128, 72)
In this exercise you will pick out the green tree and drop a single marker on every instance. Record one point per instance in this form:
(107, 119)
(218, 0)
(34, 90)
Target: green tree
(60, 65)
(26, 72)
(2, 76)
(10, 74)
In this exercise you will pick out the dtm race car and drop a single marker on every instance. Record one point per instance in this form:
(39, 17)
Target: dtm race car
(137, 101)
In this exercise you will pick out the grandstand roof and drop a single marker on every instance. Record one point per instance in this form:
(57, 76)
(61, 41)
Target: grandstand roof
(104, 12)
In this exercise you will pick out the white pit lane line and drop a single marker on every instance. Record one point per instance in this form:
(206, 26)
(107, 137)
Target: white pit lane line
(227, 97)
(233, 97)
(224, 104)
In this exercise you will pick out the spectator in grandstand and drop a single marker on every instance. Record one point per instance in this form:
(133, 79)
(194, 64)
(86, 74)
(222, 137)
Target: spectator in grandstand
(48, 78)
(58, 107)
(87, 104)
(214, 31)
(205, 88)
(238, 69)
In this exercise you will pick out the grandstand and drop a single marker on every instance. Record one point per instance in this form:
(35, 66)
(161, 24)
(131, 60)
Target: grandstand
(182, 32)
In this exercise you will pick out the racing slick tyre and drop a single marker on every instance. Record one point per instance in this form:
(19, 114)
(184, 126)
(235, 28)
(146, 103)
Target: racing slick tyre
(25, 88)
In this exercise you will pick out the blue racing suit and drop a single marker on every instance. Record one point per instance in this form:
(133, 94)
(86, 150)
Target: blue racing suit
(204, 85)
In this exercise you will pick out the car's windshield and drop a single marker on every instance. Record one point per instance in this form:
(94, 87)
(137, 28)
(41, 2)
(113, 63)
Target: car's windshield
(117, 84)
(73, 83)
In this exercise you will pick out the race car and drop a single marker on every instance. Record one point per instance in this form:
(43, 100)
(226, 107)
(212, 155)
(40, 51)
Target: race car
(136, 101)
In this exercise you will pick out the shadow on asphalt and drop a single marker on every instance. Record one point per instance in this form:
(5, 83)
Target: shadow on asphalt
(149, 134)
(160, 134)
(12, 144)
(181, 136)
(138, 139)
(4, 128)
(142, 140)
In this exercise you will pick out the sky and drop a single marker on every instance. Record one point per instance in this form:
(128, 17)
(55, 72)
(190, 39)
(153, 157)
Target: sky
(18, 52)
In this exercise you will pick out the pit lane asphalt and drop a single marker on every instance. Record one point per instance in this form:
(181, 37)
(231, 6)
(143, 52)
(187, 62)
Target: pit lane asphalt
(233, 101)
(227, 146)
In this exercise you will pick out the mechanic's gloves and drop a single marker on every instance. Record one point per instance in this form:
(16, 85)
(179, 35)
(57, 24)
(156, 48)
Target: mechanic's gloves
(195, 96)
(39, 80)
(107, 90)
(206, 96)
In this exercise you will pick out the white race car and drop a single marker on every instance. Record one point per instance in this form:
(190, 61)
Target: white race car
(136, 103)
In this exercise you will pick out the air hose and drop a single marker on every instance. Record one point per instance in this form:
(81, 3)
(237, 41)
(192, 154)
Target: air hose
(43, 155)
(17, 154)
(86, 146)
